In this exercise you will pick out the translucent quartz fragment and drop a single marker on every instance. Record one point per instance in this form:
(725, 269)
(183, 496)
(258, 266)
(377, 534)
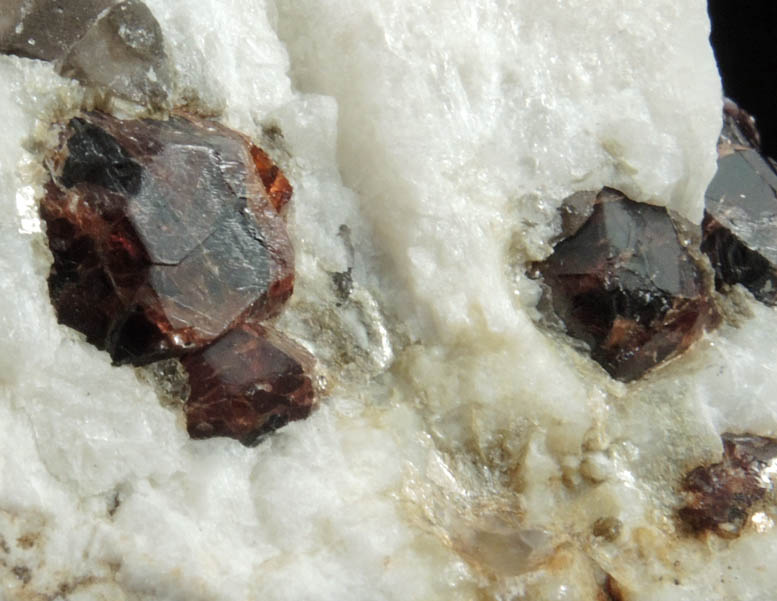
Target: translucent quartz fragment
(164, 234)
(720, 496)
(246, 384)
(124, 35)
(625, 285)
(133, 61)
(740, 221)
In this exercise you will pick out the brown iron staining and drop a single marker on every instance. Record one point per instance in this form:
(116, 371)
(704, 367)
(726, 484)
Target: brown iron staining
(740, 220)
(169, 241)
(623, 283)
(611, 590)
(720, 497)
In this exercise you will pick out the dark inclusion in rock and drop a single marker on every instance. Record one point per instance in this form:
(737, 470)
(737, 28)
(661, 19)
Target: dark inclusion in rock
(720, 496)
(166, 237)
(740, 221)
(624, 284)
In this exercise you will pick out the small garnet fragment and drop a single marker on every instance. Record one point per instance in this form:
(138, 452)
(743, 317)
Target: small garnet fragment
(740, 221)
(248, 383)
(624, 284)
(720, 496)
(165, 234)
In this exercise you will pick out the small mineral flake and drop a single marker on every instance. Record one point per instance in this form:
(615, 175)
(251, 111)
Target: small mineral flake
(761, 522)
(27, 209)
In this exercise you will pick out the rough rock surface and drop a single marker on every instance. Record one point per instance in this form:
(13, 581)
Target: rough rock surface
(460, 453)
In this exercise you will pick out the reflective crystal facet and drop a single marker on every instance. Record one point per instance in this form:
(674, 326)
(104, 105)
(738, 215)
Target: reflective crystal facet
(740, 221)
(123, 34)
(169, 241)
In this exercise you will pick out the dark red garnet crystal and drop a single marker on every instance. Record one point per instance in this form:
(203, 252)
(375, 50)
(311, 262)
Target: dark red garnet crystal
(167, 236)
(249, 382)
(740, 221)
(624, 284)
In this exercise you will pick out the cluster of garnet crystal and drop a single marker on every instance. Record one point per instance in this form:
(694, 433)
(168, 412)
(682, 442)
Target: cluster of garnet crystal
(169, 241)
(624, 281)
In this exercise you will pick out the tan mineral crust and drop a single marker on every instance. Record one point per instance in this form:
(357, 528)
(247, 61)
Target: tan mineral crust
(466, 445)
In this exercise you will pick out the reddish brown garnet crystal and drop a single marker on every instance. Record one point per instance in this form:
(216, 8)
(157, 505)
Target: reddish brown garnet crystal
(625, 285)
(249, 382)
(720, 496)
(166, 236)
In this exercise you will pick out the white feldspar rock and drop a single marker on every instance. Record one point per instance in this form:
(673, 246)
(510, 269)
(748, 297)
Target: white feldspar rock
(460, 452)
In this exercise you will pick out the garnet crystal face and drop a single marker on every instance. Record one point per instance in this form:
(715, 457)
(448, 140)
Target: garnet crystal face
(163, 235)
(168, 238)
(624, 284)
(740, 220)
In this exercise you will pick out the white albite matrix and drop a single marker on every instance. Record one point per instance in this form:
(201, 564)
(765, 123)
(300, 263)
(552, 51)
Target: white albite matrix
(460, 452)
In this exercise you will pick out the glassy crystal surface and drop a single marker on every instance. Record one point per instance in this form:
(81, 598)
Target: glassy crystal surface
(624, 284)
(124, 35)
(720, 496)
(246, 384)
(164, 234)
(135, 64)
(740, 221)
